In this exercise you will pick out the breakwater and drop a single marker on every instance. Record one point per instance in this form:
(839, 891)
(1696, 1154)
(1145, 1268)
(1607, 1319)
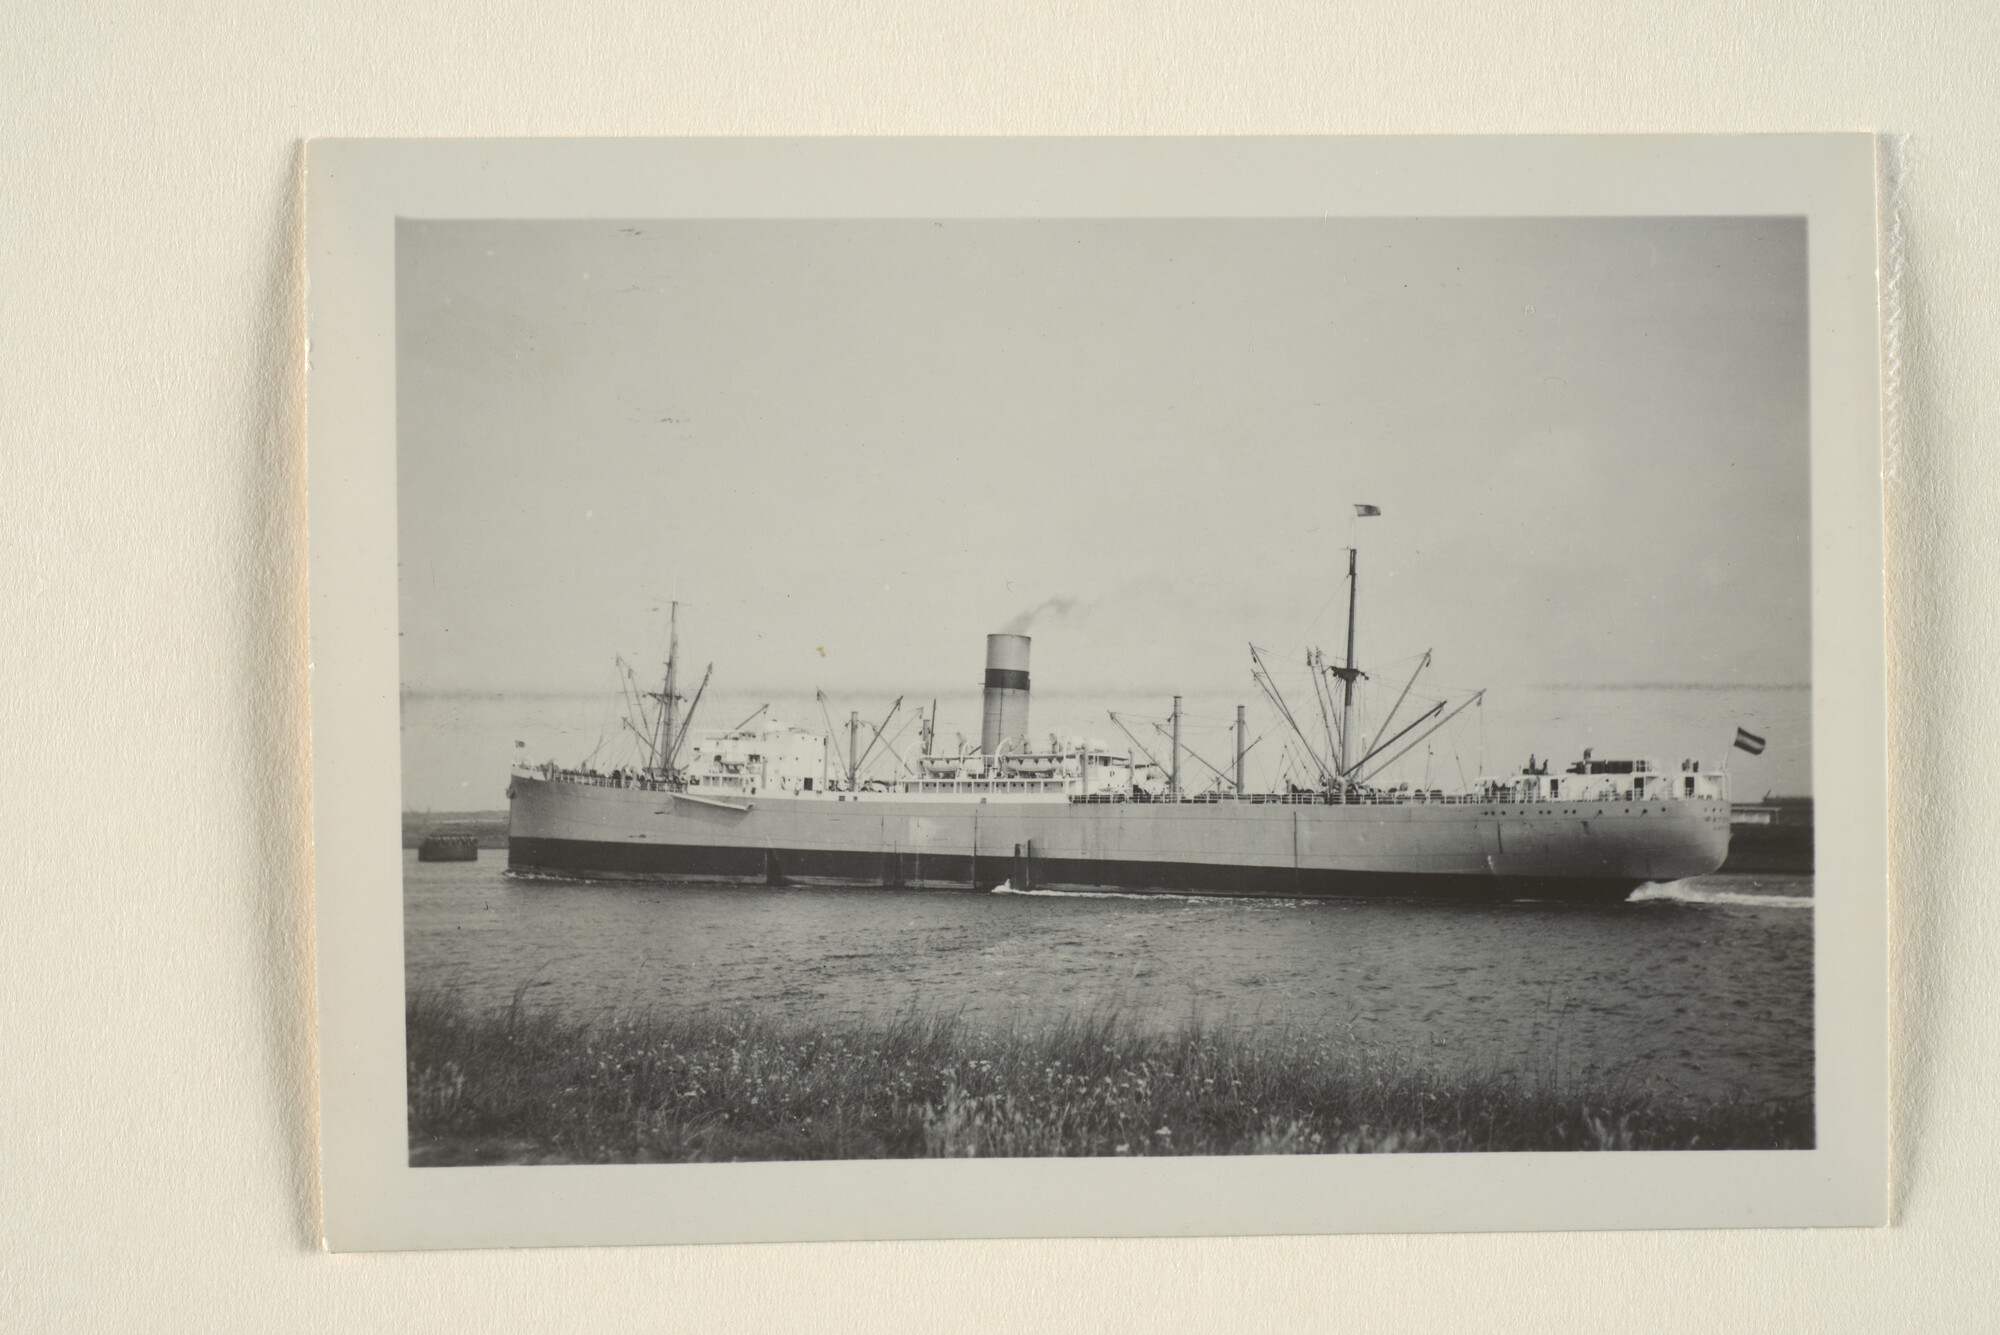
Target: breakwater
(489, 828)
(1774, 834)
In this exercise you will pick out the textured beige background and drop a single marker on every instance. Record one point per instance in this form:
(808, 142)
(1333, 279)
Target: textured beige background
(155, 1095)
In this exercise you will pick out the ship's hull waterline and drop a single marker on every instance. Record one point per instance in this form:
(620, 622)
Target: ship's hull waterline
(1595, 851)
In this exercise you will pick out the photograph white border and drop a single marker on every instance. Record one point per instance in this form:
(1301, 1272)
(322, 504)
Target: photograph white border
(372, 1199)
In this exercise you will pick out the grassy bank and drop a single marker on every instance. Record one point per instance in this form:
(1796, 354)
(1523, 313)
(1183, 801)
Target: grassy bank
(518, 1085)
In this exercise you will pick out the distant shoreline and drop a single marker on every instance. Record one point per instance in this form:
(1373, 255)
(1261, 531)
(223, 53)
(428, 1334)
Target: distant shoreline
(759, 689)
(489, 826)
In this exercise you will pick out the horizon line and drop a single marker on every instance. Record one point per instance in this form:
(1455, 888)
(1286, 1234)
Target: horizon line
(974, 687)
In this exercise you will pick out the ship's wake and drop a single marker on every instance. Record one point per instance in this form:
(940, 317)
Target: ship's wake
(1673, 892)
(1687, 892)
(1007, 888)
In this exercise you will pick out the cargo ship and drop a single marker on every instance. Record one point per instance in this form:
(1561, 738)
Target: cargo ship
(770, 804)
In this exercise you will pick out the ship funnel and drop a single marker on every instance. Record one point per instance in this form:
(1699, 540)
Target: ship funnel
(1006, 714)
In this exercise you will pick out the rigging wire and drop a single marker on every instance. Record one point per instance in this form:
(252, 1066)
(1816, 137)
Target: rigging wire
(890, 746)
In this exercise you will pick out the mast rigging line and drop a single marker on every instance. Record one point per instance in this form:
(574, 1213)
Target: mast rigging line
(1262, 676)
(1415, 723)
(680, 736)
(1134, 740)
(1197, 755)
(1428, 732)
(1313, 625)
(855, 777)
(1161, 728)
(1320, 703)
(634, 701)
(670, 692)
(1376, 744)
(828, 742)
(645, 739)
(890, 745)
(1336, 725)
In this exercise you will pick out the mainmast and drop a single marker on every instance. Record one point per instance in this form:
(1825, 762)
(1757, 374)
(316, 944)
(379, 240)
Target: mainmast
(1347, 677)
(1348, 673)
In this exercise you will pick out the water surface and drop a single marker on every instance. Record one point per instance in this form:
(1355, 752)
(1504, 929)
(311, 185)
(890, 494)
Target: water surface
(1703, 987)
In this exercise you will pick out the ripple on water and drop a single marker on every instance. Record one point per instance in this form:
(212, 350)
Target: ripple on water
(1702, 985)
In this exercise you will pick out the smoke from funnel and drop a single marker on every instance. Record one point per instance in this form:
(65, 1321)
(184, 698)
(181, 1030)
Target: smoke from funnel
(1057, 606)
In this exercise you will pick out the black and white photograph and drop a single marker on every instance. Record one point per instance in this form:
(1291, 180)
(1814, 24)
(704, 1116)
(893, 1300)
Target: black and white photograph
(1106, 685)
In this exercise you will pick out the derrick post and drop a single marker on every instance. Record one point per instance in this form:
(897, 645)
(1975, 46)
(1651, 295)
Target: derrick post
(1239, 750)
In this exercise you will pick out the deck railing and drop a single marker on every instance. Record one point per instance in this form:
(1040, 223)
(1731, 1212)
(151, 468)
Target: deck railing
(593, 779)
(1500, 794)
(1352, 799)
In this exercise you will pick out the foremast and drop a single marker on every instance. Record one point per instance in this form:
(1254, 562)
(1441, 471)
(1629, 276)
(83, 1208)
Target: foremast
(668, 696)
(673, 730)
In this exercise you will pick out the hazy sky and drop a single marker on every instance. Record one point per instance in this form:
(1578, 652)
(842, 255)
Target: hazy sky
(852, 449)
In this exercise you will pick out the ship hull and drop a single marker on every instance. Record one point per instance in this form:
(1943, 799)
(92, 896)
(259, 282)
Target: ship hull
(1591, 852)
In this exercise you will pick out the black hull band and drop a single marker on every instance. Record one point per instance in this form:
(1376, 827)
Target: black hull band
(1025, 869)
